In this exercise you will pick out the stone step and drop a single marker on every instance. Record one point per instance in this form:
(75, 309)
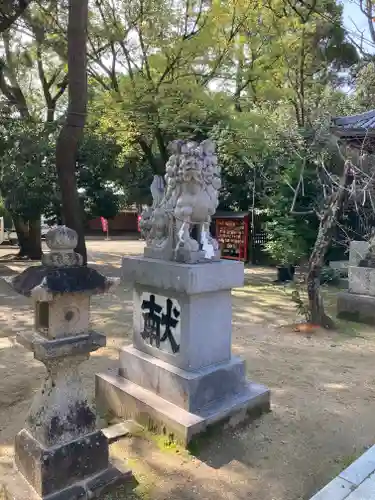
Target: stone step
(120, 430)
(190, 390)
(354, 307)
(356, 482)
(130, 401)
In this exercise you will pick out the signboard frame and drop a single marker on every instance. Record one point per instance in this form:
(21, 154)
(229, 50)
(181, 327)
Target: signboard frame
(236, 223)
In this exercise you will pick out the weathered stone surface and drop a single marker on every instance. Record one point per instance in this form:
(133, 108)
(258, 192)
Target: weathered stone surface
(122, 429)
(187, 201)
(357, 252)
(356, 482)
(365, 491)
(187, 279)
(181, 255)
(354, 307)
(103, 483)
(197, 257)
(60, 453)
(13, 486)
(180, 377)
(69, 315)
(362, 280)
(337, 489)
(79, 279)
(61, 259)
(54, 469)
(44, 349)
(58, 316)
(60, 411)
(341, 266)
(369, 259)
(130, 401)
(191, 390)
(62, 239)
(361, 468)
(206, 335)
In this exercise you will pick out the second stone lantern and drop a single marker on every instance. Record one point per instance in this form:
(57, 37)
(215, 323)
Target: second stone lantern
(60, 454)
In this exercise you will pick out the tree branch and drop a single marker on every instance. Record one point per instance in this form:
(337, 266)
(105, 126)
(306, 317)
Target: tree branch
(6, 21)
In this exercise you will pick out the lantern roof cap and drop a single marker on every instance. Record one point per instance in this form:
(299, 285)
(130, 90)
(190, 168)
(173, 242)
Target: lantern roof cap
(62, 280)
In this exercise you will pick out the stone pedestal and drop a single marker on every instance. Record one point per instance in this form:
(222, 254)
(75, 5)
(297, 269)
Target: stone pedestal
(60, 454)
(357, 252)
(179, 376)
(358, 303)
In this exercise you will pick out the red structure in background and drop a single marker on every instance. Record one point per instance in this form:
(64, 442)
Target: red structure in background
(124, 222)
(232, 233)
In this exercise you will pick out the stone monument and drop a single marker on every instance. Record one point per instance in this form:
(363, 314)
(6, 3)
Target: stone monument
(358, 303)
(357, 252)
(60, 454)
(180, 376)
(190, 199)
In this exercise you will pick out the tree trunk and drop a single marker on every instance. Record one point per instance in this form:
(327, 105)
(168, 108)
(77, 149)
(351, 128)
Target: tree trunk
(239, 74)
(328, 222)
(147, 150)
(72, 131)
(35, 240)
(316, 261)
(22, 231)
(29, 238)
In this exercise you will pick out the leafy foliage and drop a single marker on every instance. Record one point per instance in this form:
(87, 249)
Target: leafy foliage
(260, 78)
(329, 276)
(28, 182)
(365, 88)
(10, 11)
(301, 306)
(286, 244)
(28, 178)
(96, 164)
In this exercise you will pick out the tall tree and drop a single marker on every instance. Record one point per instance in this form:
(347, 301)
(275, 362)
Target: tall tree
(72, 130)
(146, 54)
(32, 84)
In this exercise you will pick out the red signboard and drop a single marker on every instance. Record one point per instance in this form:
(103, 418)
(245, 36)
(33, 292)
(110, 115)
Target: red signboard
(233, 236)
(104, 224)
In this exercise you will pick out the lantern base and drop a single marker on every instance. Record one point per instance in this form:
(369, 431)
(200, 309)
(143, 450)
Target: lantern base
(15, 487)
(78, 470)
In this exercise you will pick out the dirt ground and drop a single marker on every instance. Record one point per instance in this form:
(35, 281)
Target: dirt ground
(322, 399)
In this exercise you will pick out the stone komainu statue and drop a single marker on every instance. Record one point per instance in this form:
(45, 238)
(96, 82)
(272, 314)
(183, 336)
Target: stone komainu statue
(188, 199)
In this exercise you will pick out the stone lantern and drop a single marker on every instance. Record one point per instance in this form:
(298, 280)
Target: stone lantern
(60, 452)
